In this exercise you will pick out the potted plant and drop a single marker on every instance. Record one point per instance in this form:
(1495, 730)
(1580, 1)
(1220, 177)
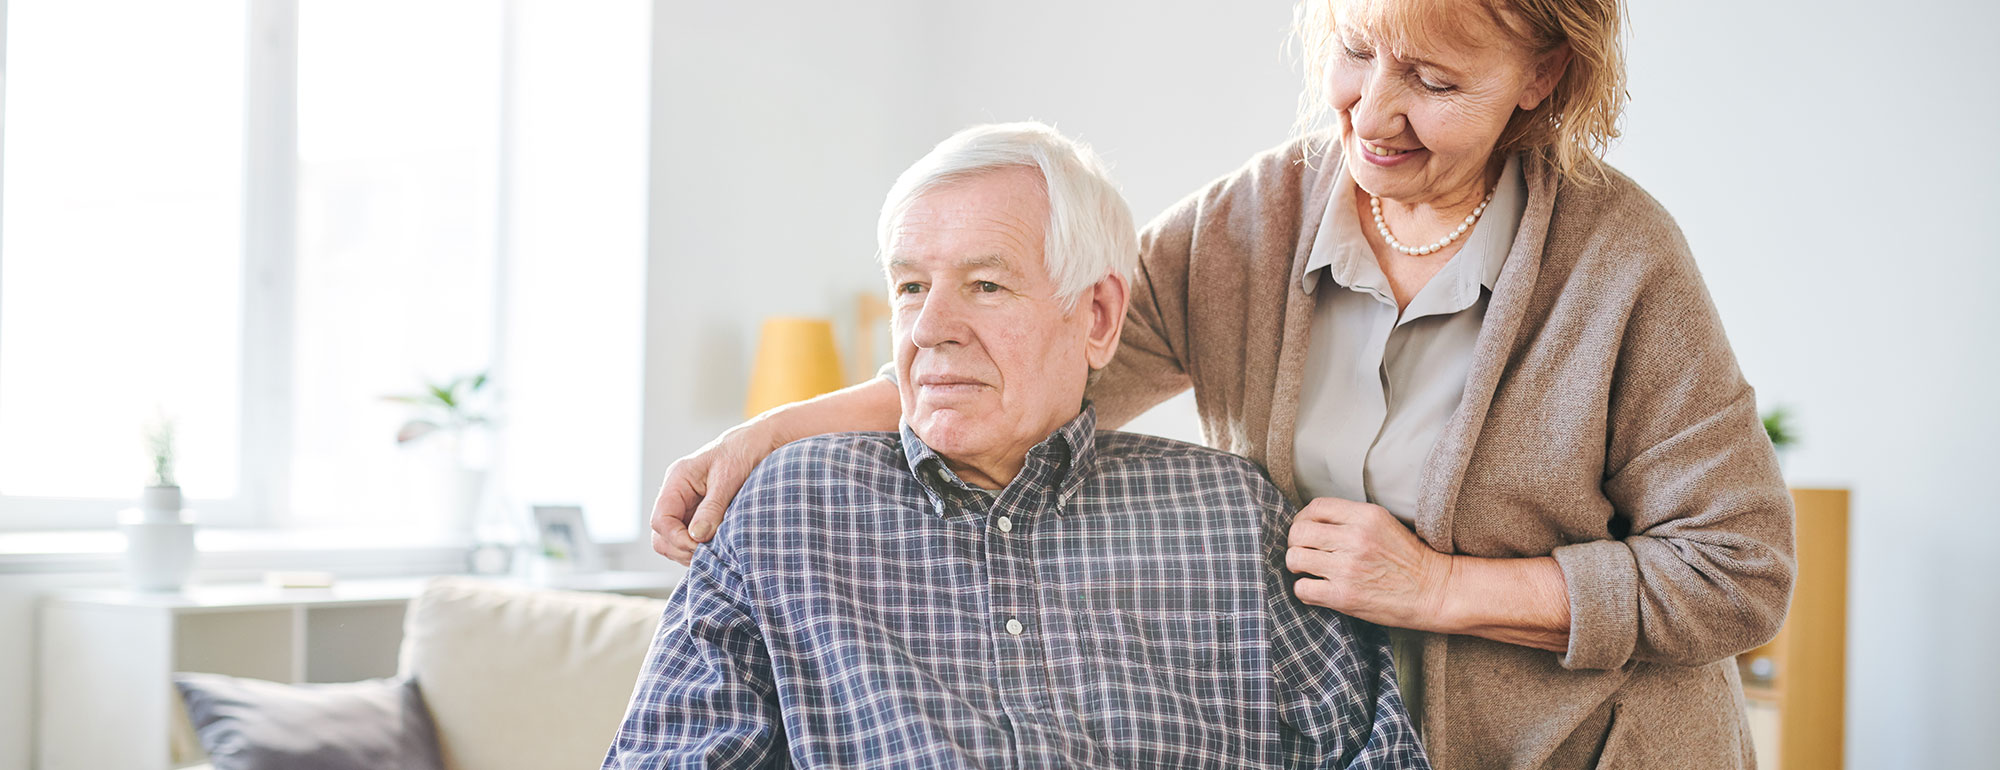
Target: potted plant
(1784, 436)
(449, 409)
(159, 537)
(161, 500)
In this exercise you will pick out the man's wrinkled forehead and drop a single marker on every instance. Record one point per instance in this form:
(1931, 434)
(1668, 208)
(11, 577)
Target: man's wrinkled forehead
(992, 222)
(1021, 189)
(988, 262)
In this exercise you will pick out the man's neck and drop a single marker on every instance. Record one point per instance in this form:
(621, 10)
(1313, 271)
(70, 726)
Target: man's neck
(993, 475)
(994, 470)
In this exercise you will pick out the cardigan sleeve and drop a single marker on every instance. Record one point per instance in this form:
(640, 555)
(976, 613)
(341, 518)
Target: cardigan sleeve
(1706, 569)
(1150, 366)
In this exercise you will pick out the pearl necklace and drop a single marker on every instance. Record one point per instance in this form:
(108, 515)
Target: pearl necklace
(1382, 226)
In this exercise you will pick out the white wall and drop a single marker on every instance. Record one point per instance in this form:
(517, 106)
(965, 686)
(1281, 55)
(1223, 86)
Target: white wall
(775, 130)
(779, 128)
(1834, 167)
(1172, 94)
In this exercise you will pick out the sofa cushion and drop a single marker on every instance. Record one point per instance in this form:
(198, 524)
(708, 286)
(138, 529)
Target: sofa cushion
(525, 678)
(251, 724)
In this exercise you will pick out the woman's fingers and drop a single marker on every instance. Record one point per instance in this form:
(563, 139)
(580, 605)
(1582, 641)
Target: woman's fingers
(1298, 560)
(698, 488)
(1333, 510)
(1319, 561)
(1315, 527)
(1357, 558)
(1320, 592)
(1336, 581)
(673, 507)
(677, 546)
(725, 479)
(1313, 536)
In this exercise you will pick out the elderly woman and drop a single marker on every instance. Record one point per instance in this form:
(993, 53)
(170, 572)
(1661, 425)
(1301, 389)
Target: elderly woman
(1486, 365)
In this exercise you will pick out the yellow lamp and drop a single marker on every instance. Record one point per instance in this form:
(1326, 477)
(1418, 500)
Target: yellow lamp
(796, 360)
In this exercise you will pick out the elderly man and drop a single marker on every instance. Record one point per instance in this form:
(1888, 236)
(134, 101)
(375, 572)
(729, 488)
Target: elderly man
(999, 584)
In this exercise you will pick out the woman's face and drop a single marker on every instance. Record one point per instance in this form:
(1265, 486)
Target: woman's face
(1419, 125)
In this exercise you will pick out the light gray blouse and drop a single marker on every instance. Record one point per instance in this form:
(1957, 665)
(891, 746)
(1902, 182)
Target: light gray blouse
(1379, 389)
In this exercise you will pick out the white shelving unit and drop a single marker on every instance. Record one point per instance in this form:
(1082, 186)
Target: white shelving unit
(106, 696)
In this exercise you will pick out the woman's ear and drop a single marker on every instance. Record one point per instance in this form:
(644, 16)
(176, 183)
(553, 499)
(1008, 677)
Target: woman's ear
(1105, 302)
(1548, 71)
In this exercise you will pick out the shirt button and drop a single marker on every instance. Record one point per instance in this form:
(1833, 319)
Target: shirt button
(1006, 524)
(1014, 627)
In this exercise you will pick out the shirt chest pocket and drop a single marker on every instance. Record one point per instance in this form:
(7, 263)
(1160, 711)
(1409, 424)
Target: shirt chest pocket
(1161, 644)
(1181, 673)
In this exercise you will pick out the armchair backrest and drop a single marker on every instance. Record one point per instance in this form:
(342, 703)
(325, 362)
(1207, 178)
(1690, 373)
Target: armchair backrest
(525, 678)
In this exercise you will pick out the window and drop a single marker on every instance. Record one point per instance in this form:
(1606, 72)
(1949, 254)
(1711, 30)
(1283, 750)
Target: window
(262, 217)
(399, 129)
(120, 263)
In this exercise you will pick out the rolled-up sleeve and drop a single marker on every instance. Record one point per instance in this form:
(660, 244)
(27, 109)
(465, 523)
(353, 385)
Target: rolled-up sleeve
(706, 697)
(1706, 569)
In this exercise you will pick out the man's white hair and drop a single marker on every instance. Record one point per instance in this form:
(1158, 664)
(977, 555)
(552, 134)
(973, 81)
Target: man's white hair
(1089, 233)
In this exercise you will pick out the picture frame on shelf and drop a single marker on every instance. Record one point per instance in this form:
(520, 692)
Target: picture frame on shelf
(563, 540)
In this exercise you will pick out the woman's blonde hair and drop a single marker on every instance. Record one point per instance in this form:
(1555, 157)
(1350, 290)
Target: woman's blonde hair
(1574, 125)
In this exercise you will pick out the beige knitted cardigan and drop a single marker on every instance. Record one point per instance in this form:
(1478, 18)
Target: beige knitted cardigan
(1605, 422)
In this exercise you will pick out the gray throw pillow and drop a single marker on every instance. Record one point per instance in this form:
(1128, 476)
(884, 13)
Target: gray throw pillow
(251, 724)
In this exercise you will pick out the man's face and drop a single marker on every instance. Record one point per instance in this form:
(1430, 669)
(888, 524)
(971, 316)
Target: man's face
(987, 361)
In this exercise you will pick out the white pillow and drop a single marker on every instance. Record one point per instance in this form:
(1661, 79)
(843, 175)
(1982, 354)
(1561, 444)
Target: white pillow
(521, 678)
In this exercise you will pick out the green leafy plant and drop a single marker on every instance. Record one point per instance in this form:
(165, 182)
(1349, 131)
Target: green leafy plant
(444, 407)
(1778, 425)
(159, 441)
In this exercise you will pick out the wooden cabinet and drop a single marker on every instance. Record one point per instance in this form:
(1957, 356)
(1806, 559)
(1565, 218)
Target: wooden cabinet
(1796, 686)
(106, 696)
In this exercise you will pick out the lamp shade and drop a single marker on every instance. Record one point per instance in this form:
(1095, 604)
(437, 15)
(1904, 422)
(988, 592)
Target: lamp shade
(796, 360)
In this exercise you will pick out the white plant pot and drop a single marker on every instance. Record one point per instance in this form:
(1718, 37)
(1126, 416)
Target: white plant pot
(469, 488)
(159, 555)
(161, 503)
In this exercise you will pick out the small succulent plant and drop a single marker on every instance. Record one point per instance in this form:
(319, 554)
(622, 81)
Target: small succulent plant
(159, 441)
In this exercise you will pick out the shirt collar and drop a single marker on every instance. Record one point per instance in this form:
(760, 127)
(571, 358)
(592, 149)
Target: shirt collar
(1060, 463)
(1342, 246)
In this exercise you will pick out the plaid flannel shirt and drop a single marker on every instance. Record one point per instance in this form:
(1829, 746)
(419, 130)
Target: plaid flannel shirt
(1123, 603)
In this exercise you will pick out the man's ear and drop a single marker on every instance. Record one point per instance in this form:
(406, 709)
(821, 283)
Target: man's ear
(1105, 302)
(1549, 69)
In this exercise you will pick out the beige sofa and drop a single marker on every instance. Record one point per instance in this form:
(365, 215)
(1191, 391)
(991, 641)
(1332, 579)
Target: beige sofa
(524, 679)
(521, 678)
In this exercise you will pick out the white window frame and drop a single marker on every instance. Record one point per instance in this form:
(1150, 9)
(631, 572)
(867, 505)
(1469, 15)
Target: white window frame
(270, 253)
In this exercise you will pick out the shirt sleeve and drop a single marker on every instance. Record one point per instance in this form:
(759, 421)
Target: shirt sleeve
(706, 697)
(1334, 677)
